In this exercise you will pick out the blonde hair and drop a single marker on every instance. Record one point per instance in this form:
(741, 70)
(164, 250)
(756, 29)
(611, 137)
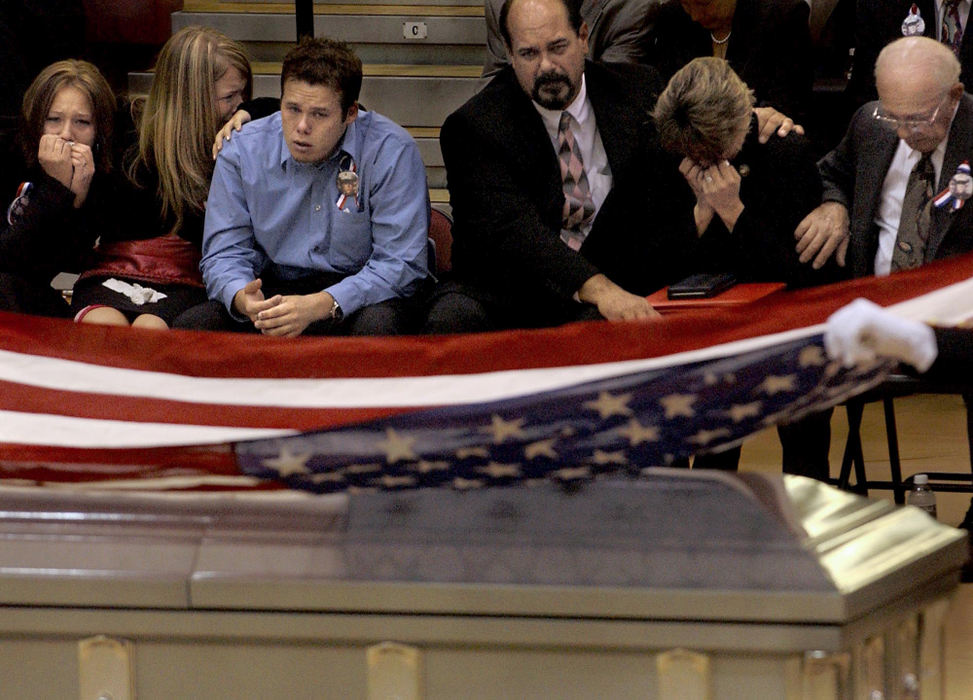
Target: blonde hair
(179, 118)
(41, 94)
(701, 109)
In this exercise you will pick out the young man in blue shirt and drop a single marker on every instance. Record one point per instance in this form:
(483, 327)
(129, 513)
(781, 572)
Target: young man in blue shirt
(318, 216)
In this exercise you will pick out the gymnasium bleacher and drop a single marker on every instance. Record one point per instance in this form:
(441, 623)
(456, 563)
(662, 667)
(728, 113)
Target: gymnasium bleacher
(421, 61)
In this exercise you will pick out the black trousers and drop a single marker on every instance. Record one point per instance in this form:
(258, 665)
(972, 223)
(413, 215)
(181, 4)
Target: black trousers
(400, 316)
(806, 443)
(454, 307)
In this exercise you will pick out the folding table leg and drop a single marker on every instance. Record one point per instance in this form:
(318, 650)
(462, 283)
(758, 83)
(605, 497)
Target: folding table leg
(895, 465)
(853, 451)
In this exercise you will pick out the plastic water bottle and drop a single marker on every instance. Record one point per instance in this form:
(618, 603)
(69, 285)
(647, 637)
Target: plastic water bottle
(921, 495)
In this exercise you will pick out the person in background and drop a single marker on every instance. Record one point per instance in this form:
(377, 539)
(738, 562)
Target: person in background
(879, 22)
(59, 197)
(617, 31)
(768, 44)
(146, 267)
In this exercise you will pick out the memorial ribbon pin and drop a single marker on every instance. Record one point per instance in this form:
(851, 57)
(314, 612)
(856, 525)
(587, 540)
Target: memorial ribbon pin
(960, 189)
(913, 24)
(347, 182)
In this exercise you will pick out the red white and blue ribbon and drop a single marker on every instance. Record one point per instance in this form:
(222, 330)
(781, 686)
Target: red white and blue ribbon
(347, 166)
(16, 208)
(960, 188)
(913, 25)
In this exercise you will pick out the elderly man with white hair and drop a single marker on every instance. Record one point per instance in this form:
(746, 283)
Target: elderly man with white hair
(882, 210)
(889, 201)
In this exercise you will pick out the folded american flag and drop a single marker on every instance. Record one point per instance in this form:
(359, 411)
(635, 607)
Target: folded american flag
(127, 408)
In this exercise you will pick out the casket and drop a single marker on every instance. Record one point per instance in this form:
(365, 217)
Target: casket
(672, 585)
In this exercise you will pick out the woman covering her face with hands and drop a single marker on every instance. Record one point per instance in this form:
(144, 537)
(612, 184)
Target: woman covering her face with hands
(749, 198)
(749, 195)
(60, 198)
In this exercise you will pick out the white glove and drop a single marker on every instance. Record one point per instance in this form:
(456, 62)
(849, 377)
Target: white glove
(863, 331)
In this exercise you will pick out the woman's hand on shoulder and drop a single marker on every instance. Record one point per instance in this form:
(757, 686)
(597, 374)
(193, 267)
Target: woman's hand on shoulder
(236, 122)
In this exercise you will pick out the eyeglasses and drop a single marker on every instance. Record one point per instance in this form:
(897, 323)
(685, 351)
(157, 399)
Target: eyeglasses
(914, 124)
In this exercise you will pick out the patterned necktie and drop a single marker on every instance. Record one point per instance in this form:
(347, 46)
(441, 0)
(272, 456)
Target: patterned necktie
(578, 206)
(910, 244)
(952, 30)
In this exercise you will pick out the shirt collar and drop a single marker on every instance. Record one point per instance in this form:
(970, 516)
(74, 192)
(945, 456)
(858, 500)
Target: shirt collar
(578, 109)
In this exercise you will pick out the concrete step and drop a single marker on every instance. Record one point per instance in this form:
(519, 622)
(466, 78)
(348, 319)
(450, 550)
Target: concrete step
(400, 36)
(432, 156)
(422, 61)
(468, 8)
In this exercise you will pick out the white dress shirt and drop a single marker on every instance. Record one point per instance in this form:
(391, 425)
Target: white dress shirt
(893, 192)
(585, 131)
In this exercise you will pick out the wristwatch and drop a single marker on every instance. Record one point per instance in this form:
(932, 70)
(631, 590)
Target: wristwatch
(336, 313)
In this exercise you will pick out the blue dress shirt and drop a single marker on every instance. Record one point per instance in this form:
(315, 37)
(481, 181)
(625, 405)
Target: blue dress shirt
(265, 208)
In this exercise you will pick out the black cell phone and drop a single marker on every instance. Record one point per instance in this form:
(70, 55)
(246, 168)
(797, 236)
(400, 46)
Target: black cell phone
(702, 285)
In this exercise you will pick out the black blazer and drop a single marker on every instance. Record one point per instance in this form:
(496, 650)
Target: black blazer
(854, 171)
(879, 22)
(954, 363)
(770, 49)
(506, 193)
(779, 186)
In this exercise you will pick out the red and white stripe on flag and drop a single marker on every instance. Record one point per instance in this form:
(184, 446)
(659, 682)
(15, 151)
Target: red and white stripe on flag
(87, 403)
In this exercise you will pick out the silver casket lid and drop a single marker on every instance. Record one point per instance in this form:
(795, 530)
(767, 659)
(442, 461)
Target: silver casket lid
(673, 545)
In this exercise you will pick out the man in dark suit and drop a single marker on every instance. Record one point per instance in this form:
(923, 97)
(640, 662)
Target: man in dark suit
(617, 31)
(922, 109)
(521, 257)
(877, 22)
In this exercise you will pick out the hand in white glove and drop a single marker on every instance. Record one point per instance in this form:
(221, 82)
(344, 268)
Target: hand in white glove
(862, 331)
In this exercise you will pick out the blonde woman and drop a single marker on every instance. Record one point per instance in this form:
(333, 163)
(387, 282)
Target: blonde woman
(147, 270)
(749, 195)
(749, 198)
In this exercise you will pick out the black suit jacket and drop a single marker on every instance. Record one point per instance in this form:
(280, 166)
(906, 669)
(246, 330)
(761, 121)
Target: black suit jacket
(954, 363)
(879, 22)
(779, 186)
(854, 171)
(770, 49)
(506, 194)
